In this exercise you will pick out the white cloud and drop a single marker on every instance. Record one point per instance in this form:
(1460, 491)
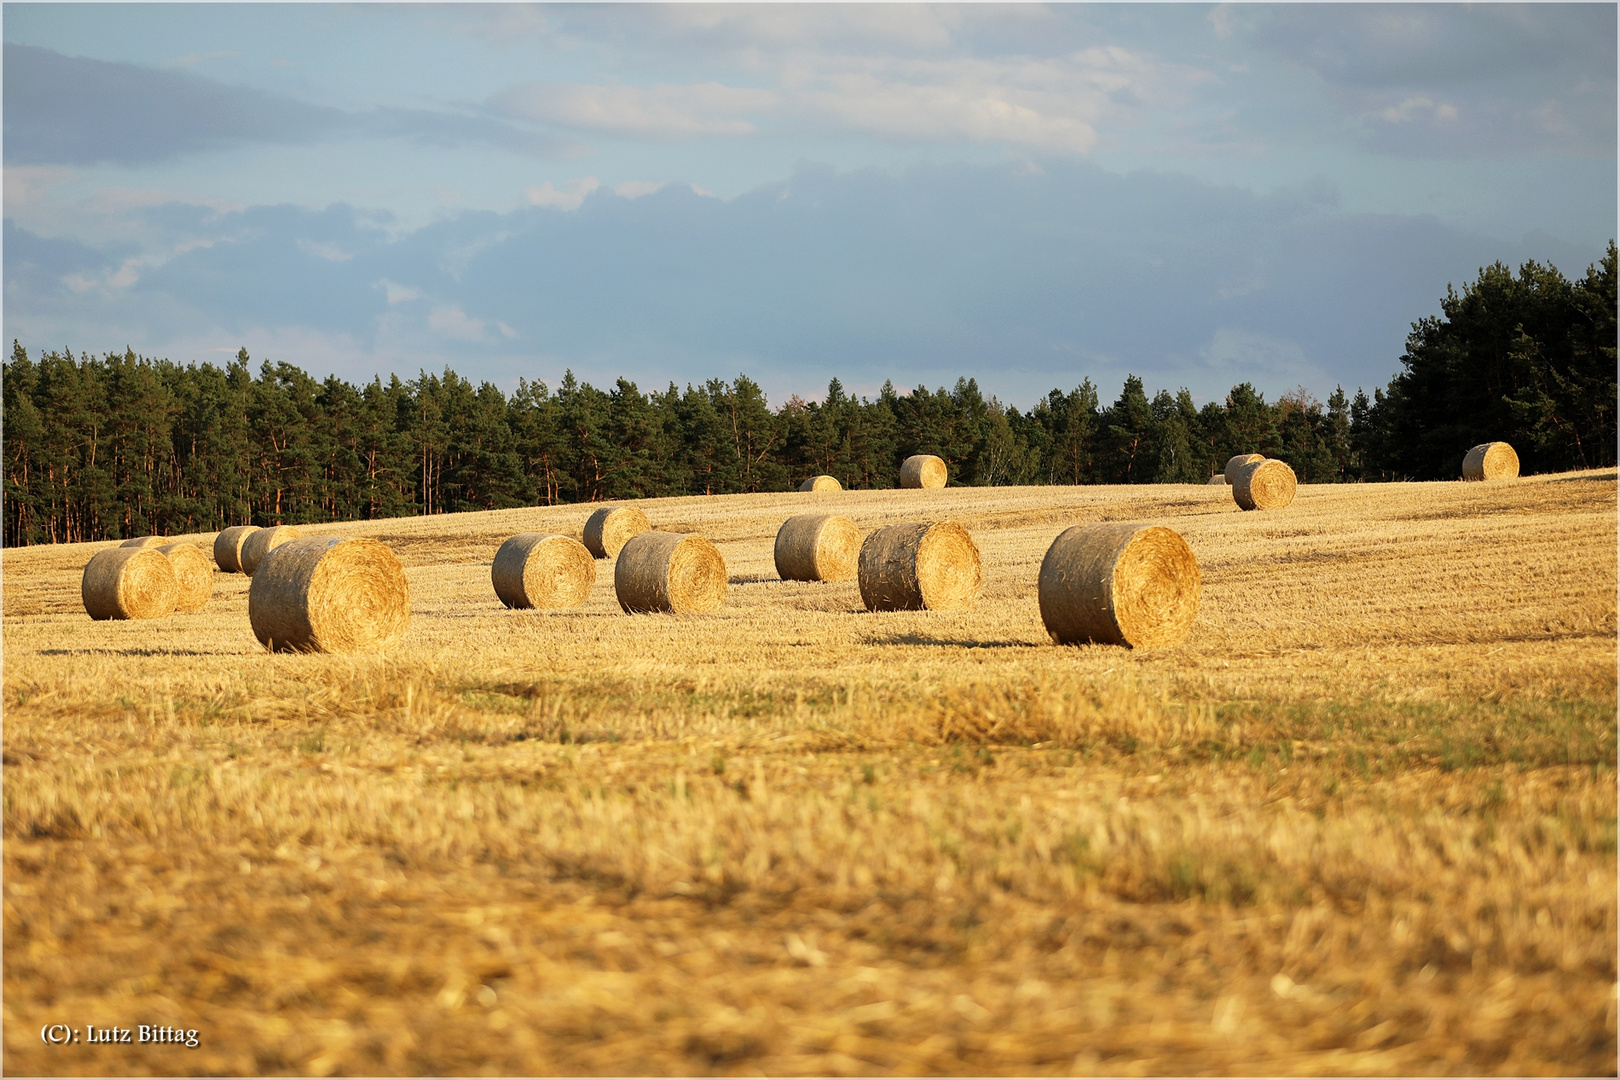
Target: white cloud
(397, 293)
(1418, 108)
(664, 111)
(329, 252)
(567, 197)
(506, 331)
(29, 183)
(451, 322)
(635, 189)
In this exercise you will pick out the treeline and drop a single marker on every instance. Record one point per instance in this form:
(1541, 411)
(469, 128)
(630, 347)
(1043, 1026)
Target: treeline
(121, 445)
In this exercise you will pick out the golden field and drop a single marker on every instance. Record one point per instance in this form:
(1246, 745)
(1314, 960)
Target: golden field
(1361, 821)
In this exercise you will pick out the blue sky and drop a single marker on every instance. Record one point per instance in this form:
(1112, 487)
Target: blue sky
(1029, 195)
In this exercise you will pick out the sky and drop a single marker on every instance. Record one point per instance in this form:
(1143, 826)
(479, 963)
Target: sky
(1027, 195)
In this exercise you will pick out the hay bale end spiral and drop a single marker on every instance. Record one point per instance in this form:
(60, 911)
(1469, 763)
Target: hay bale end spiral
(544, 571)
(193, 574)
(1491, 461)
(228, 547)
(1236, 463)
(818, 547)
(1119, 583)
(1264, 485)
(922, 471)
(328, 594)
(609, 528)
(932, 566)
(822, 483)
(680, 573)
(129, 583)
(261, 542)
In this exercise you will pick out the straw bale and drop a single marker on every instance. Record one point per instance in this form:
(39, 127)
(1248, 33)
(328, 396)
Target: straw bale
(817, 547)
(680, 573)
(145, 542)
(922, 471)
(931, 566)
(1218, 478)
(1264, 485)
(329, 594)
(822, 483)
(129, 583)
(261, 542)
(607, 530)
(1119, 583)
(1236, 463)
(545, 571)
(1491, 461)
(193, 573)
(228, 547)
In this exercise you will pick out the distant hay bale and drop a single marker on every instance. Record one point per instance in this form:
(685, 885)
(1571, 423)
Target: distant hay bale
(1491, 461)
(817, 547)
(1119, 584)
(260, 542)
(1236, 463)
(931, 566)
(328, 594)
(545, 571)
(822, 483)
(681, 573)
(145, 542)
(1264, 485)
(193, 573)
(607, 530)
(922, 471)
(129, 583)
(1218, 478)
(228, 547)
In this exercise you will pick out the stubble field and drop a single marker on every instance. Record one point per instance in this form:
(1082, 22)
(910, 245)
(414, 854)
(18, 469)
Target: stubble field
(1361, 821)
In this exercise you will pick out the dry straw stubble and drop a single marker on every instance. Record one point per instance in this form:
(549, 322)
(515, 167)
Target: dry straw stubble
(544, 571)
(328, 594)
(680, 573)
(922, 471)
(129, 583)
(1119, 583)
(1264, 485)
(817, 547)
(932, 566)
(1491, 461)
(611, 527)
(261, 542)
(1235, 464)
(193, 573)
(822, 483)
(228, 547)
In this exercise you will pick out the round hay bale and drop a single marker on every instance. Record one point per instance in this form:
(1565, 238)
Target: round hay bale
(1264, 485)
(129, 583)
(822, 483)
(1218, 478)
(545, 571)
(817, 547)
(1234, 464)
(228, 547)
(145, 542)
(920, 566)
(260, 542)
(193, 573)
(1491, 461)
(922, 471)
(328, 594)
(607, 530)
(1119, 584)
(680, 573)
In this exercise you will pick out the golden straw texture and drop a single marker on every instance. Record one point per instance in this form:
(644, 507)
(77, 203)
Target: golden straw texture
(1218, 478)
(607, 530)
(822, 483)
(1264, 485)
(543, 570)
(145, 542)
(920, 566)
(922, 471)
(1119, 583)
(817, 547)
(228, 547)
(1237, 463)
(129, 583)
(676, 572)
(328, 594)
(1491, 461)
(193, 573)
(261, 542)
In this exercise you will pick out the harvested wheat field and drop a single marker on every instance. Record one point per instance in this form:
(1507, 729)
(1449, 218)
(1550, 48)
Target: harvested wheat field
(1360, 820)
